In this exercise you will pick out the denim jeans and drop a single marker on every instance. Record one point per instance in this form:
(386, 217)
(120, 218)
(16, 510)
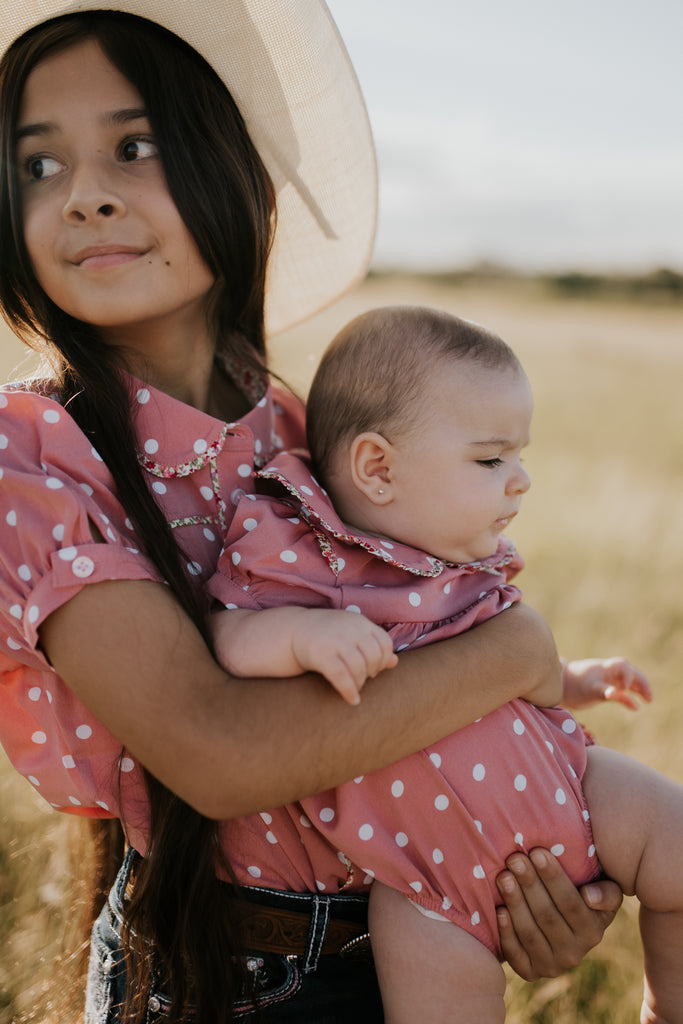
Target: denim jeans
(309, 989)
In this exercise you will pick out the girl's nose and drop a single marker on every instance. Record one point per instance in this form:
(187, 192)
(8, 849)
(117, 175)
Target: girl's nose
(520, 482)
(91, 197)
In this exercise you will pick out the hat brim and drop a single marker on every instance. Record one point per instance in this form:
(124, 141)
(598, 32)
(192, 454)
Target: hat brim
(287, 69)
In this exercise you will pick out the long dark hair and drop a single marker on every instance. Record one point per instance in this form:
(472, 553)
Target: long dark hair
(225, 197)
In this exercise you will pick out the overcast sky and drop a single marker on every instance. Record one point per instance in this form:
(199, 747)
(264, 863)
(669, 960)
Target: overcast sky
(530, 132)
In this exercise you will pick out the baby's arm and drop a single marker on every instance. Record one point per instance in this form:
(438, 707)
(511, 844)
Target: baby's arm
(344, 647)
(593, 680)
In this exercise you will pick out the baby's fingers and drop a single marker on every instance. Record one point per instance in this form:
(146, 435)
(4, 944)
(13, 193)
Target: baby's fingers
(623, 679)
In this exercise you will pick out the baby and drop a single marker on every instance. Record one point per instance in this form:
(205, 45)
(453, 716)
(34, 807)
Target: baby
(417, 421)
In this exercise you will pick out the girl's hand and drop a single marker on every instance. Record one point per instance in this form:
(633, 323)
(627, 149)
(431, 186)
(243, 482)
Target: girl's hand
(548, 925)
(344, 647)
(594, 680)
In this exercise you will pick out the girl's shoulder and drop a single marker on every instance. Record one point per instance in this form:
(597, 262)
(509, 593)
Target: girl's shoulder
(35, 426)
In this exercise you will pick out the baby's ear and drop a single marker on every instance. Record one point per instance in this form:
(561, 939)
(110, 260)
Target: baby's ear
(370, 461)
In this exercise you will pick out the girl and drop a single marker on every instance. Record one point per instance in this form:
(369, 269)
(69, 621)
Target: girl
(137, 223)
(417, 423)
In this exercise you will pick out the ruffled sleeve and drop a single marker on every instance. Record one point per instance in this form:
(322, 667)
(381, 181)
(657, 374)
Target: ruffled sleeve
(63, 526)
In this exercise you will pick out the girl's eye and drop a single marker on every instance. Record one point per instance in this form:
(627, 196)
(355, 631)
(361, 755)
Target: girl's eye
(490, 463)
(138, 149)
(38, 168)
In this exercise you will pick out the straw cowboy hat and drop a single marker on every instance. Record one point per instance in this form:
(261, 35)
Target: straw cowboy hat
(289, 73)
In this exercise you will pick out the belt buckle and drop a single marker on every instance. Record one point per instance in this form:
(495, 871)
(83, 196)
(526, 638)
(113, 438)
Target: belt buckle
(358, 950)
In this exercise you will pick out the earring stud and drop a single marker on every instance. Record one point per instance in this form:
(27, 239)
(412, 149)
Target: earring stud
(381, 490)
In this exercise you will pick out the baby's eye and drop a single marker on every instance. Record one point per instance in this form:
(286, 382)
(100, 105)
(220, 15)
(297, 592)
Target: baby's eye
(490, 463)
(138, 149)
(38, 168)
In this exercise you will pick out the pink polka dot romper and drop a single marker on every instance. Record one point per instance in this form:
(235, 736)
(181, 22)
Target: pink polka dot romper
(436, 826)
(56, 494)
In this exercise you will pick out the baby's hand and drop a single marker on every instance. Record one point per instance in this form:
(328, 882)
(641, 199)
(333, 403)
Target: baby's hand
(593, 680)
(345, 647)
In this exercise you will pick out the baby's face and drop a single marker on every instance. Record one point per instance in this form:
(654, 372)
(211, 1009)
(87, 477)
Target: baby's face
(458, 477)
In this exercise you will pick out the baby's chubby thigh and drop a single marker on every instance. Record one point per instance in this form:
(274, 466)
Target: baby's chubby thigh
(437, 826)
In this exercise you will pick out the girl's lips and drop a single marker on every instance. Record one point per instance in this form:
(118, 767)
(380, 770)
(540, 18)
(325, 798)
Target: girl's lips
(101, 257)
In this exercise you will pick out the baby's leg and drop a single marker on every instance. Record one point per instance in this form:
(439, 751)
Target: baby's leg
(637, 818)
(431, 970)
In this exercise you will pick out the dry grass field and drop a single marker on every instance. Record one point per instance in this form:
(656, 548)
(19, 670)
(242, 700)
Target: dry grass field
(601, 534)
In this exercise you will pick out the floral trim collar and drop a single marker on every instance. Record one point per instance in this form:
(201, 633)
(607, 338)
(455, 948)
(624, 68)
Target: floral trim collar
(292, 471)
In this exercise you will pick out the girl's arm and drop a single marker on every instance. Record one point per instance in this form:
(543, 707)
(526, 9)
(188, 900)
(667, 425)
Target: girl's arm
(229, 747)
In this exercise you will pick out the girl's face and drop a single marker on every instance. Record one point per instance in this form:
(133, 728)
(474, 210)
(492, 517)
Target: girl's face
(457, 480)
(106, 241)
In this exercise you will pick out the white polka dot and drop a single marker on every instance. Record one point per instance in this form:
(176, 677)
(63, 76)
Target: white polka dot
(244, 470)
(258, 447)
(397, 788)
(341, 564)
(294, 520)
(585, 815)
(67, 554)
(235, 558)
(366, 832)
(143, 396)
(51, 415)
(353, 608)
(271, 838)
(11, 518)
(447, 588)
(288, 556)
(254, 871)
(151, 446)
(557, 850)
(478, 773)
(15, 611)
(159, 487)
(441, 802)
(414, 599)
(53, 484)
(307, 490)
(249, 525)
(305, 822)
(520, 783)
(58, 532)
(127, 764)
(435, 759)
(33, 780)
(387, 545)
(68, 761)
(437, 856)
(479, 872)
(49, 696)
(479, 826)
(416, 886)
(194, 568)
(519, 839)
(129, 525)
(475, 919)
(88, 489)
(327, 814)
(209, 534)
(84, 732)
(262, 404)
(33, 614)
(518, 726)
(320, 885)
(591, 850)
(206, 492)
(560, 796)
(39, 737)
(200, 446)
(550, 747)
(12, 644)
(4, 401)
(569, 726)
(358, 779)
(24, 573)
(34, 693)
(3, 441)
(101, 803)
(75, 801)
(401, 839)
